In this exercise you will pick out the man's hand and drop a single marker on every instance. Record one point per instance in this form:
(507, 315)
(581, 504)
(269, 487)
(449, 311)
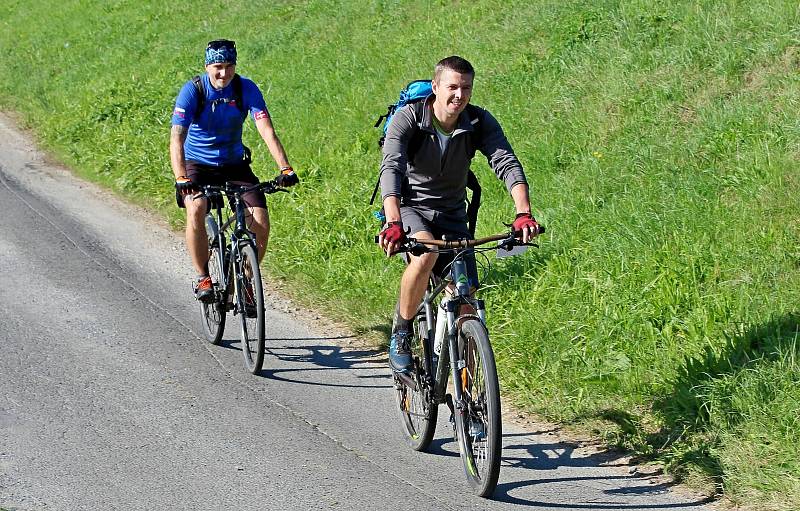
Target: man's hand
(184, 185)
(287, 178)
(391, 237)
(525, 226)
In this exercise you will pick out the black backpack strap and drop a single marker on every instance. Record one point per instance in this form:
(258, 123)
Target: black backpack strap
(415, 142)
(238, 96)
(375, 191)
(475, 118)
(197, 81)
(237, 93)
(474, 202)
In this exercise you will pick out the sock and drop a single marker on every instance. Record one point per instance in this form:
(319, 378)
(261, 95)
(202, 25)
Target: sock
(402, 324)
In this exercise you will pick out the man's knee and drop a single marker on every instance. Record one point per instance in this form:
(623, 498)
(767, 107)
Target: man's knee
(195, 210)
(423, 263)
(259, 217)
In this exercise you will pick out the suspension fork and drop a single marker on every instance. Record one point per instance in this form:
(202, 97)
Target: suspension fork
(430, 327)
(456, 363)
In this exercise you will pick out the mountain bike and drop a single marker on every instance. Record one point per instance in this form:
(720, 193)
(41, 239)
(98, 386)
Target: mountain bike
(450, 340)
(234, 271)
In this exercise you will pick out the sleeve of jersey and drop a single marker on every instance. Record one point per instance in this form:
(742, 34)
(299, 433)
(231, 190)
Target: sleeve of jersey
(185, 105)
(255, 100)
(499, 154)
(395, 152)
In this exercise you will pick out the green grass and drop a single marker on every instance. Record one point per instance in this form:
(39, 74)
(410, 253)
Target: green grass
(660, 139)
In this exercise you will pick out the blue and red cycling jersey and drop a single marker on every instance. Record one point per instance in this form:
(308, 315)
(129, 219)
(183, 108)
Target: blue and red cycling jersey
(215, 137)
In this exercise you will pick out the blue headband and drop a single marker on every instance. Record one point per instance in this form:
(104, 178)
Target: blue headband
(220, 55)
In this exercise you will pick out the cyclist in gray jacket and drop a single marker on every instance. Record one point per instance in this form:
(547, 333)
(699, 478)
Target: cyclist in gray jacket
(426, 160)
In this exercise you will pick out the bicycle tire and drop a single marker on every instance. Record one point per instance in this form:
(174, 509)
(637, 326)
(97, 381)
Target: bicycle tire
(213, 313)
(479, 429)
(250, 307)
(416, 409)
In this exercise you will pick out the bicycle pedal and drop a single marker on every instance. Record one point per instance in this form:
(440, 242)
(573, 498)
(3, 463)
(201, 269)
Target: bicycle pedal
(406, 380)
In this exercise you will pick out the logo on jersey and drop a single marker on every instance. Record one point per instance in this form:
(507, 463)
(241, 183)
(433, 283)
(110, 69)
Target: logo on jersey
(180, 112)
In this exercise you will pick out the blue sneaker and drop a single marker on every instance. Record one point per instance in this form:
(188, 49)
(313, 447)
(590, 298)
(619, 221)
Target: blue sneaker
(400, 352)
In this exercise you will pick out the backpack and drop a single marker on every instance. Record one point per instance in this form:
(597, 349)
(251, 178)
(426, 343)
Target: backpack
(201, 94)
(415, 93)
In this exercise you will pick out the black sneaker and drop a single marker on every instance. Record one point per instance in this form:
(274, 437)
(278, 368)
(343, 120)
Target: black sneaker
(400, 352)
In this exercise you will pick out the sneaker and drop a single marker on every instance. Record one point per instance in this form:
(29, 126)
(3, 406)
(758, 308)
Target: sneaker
(400, 352)
(204, 290)
(476, 429)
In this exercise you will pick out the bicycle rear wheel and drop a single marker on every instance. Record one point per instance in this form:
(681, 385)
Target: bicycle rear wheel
(213, 313)
(416, 408)
(478, 423)
(250, 307)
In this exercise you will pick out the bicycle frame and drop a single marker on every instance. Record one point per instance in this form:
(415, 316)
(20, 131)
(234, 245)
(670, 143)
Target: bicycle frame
(230, 263)
(437, 377)
(459, 298)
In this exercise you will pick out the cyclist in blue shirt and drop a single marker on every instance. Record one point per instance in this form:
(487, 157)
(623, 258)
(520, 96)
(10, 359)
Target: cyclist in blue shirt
(206, 149)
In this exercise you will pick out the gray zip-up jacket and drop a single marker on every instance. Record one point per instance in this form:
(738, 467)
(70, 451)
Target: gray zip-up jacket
(438, 182)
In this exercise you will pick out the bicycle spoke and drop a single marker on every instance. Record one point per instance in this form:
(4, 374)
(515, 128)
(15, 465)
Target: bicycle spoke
(250, 307)
(478, 425)
(213, 313)
(417, 415)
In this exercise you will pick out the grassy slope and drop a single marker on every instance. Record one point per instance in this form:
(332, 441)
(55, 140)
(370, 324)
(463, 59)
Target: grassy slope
(660, 140)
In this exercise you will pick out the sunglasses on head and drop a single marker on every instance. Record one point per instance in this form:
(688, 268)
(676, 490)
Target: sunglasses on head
(221, 43)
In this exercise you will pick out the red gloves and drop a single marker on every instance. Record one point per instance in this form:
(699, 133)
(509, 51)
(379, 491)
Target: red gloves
(393, 233)
(525, 221)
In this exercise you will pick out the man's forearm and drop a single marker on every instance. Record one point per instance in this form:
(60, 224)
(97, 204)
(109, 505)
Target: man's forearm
(391, 208)
(522, 202)
(177, 157)
(267, 132)
(277, 151)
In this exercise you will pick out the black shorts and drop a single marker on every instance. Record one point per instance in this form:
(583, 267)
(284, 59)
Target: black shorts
(239, 173)
(442, 226)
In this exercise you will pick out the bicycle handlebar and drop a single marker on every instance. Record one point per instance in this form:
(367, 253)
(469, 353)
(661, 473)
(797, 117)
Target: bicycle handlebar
(418, 247)
(229, 187)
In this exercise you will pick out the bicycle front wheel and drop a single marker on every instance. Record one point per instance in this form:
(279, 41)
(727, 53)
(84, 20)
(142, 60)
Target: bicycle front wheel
(417, 410)
(478, 423)
(250, 307)
(213, 312)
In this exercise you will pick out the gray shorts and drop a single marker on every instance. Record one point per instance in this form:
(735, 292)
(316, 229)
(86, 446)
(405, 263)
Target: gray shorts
(442, 226)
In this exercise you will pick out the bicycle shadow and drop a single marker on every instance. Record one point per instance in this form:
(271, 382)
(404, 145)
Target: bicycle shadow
(305, 360)
(536, 458)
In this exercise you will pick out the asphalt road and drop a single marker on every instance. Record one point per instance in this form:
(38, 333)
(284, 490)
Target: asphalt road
(110, 399)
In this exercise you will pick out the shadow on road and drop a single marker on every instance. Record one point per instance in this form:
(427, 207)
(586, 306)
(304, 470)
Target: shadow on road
(311, 358)
(522, 452)
(535, 458)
